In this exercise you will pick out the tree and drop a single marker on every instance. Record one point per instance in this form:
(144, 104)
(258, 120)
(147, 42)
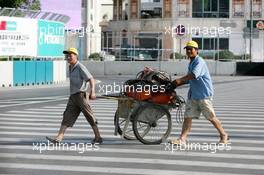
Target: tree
(31, 5)
(25, 4)
(36, 5)
(11, 3)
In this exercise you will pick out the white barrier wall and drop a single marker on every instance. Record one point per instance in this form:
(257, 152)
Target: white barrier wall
(127, 67)
(59, 71)
(225, 68)
(97, 67)
(56, 71)
(178, 67)
(175, 67)
(6, 73)
(63, 71)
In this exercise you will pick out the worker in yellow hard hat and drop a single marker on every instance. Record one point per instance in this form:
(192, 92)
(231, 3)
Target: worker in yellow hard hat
(191, 44)
(71, 50)
(200, 95)
(80, 95)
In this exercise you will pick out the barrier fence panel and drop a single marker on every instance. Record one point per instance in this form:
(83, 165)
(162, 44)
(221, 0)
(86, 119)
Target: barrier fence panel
(59, 71)
(56, 71)
(6, 73)
(49, 72)
(63, 70)
(40, 72)
(30, 73)
(25, 73)
(19, 73)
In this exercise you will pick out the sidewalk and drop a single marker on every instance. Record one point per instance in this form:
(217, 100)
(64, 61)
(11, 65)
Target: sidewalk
(62, 84)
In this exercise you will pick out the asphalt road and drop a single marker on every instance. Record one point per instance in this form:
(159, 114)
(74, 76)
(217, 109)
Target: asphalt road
(29, 114)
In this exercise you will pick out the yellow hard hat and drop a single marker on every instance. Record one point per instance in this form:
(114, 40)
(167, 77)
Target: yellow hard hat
(192, 44)
(71, 50)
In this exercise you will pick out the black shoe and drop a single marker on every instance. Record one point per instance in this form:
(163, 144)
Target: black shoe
(97, 140)
(54, 141)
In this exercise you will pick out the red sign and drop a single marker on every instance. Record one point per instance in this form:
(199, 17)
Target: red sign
(3, 25)
(260, 25)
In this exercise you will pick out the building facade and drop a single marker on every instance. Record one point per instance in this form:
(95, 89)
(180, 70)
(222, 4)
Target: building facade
(94, 14)
(162, 27)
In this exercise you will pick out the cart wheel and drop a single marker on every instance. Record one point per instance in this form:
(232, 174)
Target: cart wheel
(120, 122)
(180, 108)
(152, 124)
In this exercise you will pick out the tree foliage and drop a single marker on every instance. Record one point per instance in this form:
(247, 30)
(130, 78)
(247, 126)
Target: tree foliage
(11, 3)
(25, 4)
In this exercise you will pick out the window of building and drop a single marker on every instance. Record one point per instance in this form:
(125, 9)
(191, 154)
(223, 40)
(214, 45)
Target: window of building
(107, 41)
(224, 43)
(212, 43)
(183, 8)
(238, 8)
(210, 8)
(209, 44)
(134, 9)
(149, 9)
(120, 10)
(257, 8)
(167, 8)
(150, 41)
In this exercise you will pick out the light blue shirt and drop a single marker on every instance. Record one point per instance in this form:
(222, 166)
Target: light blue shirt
(201, 87)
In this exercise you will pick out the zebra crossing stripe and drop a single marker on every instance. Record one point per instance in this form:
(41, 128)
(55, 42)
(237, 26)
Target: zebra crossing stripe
(85, 135)
(153, 152)
(80, 124)
(134, 160)
(110, 120)
(245, 126)
(217, 107)
(104, 128)
(102, 169)
(192, 139)
(260, 114)
(111, 113)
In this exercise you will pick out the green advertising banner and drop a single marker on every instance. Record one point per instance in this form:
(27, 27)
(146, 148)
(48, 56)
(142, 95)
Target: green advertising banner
(50, 39)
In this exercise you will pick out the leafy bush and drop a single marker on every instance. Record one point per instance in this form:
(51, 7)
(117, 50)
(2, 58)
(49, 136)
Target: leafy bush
(207, 56)
(242, 57)
(3, 59)
(226, 55)
(177, 55)
(95, 56)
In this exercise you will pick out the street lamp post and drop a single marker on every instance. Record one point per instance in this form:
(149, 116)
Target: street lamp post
(84, 26)
(250, 31)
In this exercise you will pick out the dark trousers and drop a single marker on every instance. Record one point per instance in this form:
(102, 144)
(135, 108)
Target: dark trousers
(78, 103)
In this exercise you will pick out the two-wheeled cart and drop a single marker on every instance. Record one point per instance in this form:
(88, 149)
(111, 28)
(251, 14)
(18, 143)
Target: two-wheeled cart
(146, 121)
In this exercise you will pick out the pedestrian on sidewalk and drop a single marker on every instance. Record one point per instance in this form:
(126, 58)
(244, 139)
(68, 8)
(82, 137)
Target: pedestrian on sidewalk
(200, 95)
(79, 97)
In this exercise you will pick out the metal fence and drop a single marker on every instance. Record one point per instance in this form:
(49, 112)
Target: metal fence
(158, 47)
